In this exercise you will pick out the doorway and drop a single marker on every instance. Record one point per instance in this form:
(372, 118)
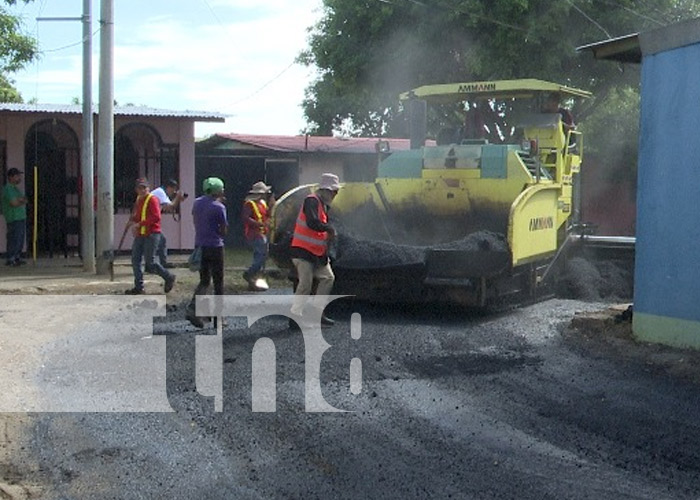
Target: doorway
(52, 159)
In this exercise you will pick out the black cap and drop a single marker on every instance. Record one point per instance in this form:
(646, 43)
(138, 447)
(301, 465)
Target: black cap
(13, 171)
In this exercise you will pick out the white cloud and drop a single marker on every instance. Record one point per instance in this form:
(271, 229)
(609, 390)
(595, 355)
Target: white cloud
(241, 68)
(235, 60)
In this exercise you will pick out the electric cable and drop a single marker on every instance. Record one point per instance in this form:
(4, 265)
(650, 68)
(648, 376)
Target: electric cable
(268, 82)
(458, 10)
(75, 44)
(589, 18)
(632, 11)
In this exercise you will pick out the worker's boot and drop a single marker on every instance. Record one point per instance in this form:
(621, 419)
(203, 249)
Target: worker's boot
(190, 315)
(194, 320)
(249, 278)
(259, 284)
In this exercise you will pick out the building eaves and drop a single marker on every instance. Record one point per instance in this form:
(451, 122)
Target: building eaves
(621, 49)
(134, 111)
(631, 48)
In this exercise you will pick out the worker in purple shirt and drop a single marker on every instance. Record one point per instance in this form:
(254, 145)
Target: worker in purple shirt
(210, 226)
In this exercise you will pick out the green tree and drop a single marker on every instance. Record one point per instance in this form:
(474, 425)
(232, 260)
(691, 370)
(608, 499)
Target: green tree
(368, 51)
(7, 92)
(16, 50)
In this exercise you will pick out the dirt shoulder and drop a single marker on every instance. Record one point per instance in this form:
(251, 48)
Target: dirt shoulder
(608, 333)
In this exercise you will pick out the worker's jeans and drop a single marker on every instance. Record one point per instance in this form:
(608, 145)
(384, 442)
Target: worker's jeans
(16, 232)
(306, 273)
(211, 268)
(162, 252)
(145, 247)
(259, 246)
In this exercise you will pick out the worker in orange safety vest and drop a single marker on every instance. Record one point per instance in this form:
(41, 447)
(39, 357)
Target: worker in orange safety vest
(309, 247)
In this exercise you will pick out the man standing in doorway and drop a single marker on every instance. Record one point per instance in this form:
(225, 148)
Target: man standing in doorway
(169, 198)
(14, 208)
(309, 248)
(146, 221)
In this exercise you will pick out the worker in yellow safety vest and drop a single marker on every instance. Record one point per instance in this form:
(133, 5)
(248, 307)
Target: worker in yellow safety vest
(145, 220)
(255, 215)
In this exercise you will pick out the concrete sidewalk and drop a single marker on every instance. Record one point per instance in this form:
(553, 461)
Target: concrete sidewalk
(46, 275)
(66, 275)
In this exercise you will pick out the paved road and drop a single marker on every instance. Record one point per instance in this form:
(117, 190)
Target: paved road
(452, 406)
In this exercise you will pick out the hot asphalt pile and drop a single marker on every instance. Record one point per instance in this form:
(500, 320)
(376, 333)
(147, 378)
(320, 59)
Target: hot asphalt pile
(354, 253)
(578, 277)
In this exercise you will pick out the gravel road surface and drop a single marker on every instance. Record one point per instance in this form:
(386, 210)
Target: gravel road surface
(509, 405)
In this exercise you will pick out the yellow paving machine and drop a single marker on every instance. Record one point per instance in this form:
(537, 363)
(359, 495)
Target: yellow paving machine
(474, 217)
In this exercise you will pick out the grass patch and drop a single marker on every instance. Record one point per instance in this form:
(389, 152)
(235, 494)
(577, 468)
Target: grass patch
(236, 260)
(237, 257)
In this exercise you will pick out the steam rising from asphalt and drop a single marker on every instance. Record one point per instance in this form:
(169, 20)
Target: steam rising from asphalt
(595, 280)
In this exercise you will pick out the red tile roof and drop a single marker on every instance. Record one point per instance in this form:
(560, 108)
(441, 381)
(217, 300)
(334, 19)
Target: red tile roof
(316, 144)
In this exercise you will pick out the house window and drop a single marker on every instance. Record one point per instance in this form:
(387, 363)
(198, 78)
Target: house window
(140, 152)
(126, 171)
(169, 163)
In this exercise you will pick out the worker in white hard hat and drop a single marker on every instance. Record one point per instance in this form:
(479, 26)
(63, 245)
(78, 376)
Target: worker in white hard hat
(309, 248)
(255, 215)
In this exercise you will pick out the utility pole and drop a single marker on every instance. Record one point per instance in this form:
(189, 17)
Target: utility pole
(87, 214)
(105, 142)
(87, 209)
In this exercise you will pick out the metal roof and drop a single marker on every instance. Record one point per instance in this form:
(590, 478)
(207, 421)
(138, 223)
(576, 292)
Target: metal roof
(136, 111)
(631, 48)
(316, 144)
(622, 49)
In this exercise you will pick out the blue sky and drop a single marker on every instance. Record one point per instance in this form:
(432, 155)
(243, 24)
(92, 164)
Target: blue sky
(231, 56)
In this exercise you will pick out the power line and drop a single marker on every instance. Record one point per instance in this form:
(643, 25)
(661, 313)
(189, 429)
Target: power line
(520, 28)
(633, 11)
(213, 13)
(261, 88)
(461, 11)
(593, 21)
(486, 18)
(81, 41)
(264, 85)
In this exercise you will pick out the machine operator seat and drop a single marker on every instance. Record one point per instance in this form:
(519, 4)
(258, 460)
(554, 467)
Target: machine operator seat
(547, 130)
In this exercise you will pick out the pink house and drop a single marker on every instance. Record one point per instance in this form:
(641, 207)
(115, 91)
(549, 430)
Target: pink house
(46, 139)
